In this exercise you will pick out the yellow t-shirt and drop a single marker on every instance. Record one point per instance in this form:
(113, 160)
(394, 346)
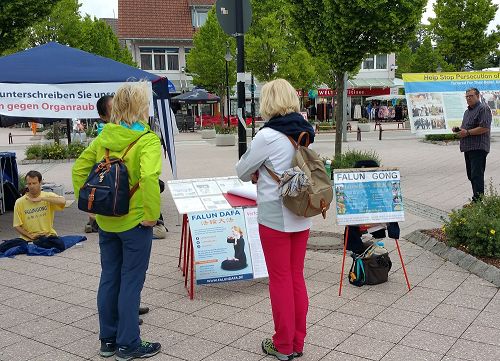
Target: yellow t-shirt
(36, 217)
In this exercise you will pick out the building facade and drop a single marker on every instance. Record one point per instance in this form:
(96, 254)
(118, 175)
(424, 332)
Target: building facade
(159, 34)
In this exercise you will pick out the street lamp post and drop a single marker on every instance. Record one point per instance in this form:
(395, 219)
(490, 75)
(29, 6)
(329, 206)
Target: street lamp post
(228, 57)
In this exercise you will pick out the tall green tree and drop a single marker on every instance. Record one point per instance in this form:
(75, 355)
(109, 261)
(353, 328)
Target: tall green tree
(16, 16)
(205, 62)
(61, 25)
(274, 49)
(460, 31)
(98, 38)
(343, 32)
(427, 59)
(65, 25)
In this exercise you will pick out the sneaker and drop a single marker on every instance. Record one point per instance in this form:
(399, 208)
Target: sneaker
(108, 348)
(143, 310)
(269, 349)
(144, 350)
(297, 354)
(88, 228)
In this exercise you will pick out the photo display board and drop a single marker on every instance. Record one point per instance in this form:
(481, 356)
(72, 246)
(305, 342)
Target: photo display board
(226, 245)
(365, 196)
(436, 101)
(203, 194)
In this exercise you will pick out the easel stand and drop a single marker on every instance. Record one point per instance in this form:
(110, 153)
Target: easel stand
(343, 262)
(186, 256)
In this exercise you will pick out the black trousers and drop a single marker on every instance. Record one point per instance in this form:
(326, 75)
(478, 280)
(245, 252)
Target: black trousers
(475, 164)
(43, 242)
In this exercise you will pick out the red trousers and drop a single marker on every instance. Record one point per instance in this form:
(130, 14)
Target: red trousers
(285, 253)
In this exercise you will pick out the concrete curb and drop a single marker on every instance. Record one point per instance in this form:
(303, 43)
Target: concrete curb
(463, 260)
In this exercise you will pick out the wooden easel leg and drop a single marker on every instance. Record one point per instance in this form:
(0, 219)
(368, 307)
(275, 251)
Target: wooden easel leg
(183, 231)
(403, 265)
(186, 246)
(191, 294)
(187, 260)
(343, 260)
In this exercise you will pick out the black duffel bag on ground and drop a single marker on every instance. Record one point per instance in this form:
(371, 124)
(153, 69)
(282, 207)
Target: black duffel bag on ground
(370, 268)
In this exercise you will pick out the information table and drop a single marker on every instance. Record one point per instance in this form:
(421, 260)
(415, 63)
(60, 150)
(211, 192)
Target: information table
(214, 234)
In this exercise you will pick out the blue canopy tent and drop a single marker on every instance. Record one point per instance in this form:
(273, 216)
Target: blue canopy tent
(53, 63)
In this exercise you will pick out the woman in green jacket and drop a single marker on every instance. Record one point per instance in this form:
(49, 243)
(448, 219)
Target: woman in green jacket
(125, 242)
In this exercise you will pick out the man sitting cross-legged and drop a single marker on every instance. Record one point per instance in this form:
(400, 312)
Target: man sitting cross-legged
(34, 216)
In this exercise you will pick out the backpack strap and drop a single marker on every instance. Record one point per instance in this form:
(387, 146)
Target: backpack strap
(272, 174)
(131, 145)
(302, 135)
(108, 162)
(296, 146)
(136, 186)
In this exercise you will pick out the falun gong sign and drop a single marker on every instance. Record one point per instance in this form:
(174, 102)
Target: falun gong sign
(368, 195)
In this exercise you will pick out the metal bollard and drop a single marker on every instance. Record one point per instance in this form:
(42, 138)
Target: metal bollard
(358, 135)
(380, 132)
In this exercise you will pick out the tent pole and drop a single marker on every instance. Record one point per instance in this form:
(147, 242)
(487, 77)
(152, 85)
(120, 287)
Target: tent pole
(68, 131)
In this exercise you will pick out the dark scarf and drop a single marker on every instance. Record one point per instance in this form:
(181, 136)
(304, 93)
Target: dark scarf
(291, 124)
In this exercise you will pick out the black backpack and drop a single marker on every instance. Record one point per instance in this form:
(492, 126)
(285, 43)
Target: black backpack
(106, 191)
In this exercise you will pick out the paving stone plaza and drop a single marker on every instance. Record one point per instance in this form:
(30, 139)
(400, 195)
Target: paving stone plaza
(48, 304)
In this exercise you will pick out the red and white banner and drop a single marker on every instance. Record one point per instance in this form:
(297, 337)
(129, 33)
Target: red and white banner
(355, 92)
(56, 100)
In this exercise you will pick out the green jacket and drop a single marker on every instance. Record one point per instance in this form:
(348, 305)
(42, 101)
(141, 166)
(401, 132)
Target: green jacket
(143, 163)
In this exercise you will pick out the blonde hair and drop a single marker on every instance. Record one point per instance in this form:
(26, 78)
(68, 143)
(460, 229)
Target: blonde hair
(131, 103)
(237, 229)
(278, 97)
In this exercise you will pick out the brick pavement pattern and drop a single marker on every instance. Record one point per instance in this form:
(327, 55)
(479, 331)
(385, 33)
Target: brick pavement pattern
(48, 304)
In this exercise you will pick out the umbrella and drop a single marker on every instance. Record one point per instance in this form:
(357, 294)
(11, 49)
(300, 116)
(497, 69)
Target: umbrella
(387, 97)
(197, 96)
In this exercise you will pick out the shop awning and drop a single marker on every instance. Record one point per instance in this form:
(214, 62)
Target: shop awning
(371, 83)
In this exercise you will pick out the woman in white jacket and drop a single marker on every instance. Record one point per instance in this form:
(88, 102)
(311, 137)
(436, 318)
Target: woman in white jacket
(283, 234)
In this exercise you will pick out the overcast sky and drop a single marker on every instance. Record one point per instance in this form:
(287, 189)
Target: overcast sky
(109, 9)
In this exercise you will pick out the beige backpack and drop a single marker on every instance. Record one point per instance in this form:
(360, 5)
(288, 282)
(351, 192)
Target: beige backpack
(319, 194)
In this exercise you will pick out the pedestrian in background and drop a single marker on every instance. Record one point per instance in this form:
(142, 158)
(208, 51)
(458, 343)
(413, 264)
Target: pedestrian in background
(474, 136)
(283, 234)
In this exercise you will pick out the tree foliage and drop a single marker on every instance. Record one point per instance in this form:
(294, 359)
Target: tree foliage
(274, 49)
(460, 31)
(206, 62)
(343, 32)
(16, 16)
(65, 26)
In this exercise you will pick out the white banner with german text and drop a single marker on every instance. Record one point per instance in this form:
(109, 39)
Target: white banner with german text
(56, 100)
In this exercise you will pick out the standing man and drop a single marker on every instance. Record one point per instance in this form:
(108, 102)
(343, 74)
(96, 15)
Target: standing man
(474, 135)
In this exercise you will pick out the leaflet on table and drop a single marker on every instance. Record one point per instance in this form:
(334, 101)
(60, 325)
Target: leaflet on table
(252, 228)
(206, 188)
(193, 195)
(368, 197)
(215, 202)
(179, 190)
(247, 190)
(225, 184)
(187, 205)
(220, 243)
